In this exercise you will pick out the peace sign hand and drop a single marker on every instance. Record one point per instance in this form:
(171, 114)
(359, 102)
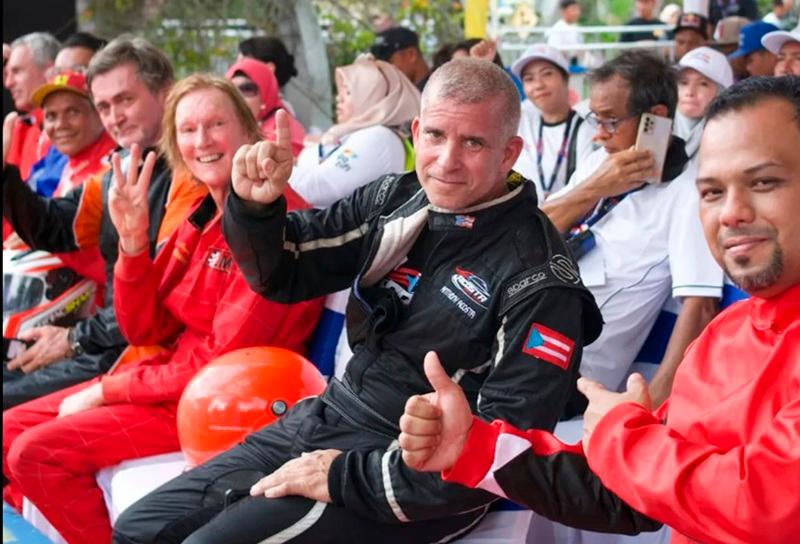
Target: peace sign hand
(261, 171)
(127, 201)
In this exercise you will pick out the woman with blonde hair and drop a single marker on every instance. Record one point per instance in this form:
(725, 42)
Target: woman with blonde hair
(191, 299)
(375, 104)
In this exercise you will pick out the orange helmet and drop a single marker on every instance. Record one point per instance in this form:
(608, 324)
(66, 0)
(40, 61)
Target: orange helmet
(238, 393)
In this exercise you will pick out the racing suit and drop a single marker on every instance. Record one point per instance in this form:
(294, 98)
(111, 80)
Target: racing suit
(194, 300)
(719, 462)
(80, 220)
(477, 286)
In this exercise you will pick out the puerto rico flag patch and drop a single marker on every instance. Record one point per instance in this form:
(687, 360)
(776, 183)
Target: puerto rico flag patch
(549, 345)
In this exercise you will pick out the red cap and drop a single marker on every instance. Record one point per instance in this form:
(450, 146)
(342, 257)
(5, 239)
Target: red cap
(73, 82)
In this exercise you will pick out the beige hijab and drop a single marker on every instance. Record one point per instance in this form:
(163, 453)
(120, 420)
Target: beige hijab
(382, 93)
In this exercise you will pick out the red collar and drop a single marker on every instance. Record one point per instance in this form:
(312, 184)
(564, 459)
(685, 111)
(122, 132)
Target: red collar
(777, 312)
(94, 152)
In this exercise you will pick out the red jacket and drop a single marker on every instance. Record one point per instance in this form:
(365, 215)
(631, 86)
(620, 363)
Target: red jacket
(28, 142)
(91, 161)
(193, 299)
(719, 462)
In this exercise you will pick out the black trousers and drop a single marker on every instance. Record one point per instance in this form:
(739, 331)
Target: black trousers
(19, 387)
(211, 503)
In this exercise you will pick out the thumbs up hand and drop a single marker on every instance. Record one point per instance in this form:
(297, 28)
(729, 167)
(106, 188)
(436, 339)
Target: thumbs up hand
(435, 426)
(602, 401)
(261, 171)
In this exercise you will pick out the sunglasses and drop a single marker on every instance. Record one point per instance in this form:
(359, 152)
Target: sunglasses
(248, 89)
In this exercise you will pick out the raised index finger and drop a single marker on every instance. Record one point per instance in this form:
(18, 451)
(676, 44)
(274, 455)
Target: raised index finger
(283, 136)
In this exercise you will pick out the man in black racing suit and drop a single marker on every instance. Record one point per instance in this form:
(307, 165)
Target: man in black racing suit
(490, 288)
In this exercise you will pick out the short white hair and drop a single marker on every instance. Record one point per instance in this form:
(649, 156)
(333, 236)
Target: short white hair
(43, 47)
(469, 81)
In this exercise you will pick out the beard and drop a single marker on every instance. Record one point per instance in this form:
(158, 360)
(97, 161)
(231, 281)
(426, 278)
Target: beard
(759, 279)
(749, 278)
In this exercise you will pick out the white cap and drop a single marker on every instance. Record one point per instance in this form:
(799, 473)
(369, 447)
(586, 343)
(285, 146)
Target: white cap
(709, 62)
(540, 51)
(700, 7)
(773, 41)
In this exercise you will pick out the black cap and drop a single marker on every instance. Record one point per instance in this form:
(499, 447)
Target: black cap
(693, 21)
(391, 40)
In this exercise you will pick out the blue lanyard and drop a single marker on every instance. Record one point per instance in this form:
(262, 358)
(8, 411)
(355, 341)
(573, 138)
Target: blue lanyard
(580, 239)
(562, 152)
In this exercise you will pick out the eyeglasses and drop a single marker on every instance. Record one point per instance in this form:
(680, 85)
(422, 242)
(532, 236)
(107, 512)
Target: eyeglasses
(609, 125)
(248, 89)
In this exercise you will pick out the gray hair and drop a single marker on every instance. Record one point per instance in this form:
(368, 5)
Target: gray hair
(152, 66)
(469, 81)
(651, 81)
(43, 47)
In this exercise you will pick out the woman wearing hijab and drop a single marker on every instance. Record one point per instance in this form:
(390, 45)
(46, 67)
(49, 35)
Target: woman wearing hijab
(273, 52)
(375, 104)
(702, 74)
(257, 83)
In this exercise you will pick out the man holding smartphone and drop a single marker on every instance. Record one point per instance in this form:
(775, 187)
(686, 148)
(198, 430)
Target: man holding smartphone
(641, 243)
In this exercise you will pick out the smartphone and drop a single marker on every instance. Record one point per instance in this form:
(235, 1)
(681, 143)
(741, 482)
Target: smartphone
(654, 134)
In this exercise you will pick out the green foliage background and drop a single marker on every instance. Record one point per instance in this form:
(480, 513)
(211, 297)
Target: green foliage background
(203, 34)
(193, 33)
(198, 34)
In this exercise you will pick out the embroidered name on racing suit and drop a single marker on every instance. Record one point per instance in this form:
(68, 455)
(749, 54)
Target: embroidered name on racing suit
(471, 286)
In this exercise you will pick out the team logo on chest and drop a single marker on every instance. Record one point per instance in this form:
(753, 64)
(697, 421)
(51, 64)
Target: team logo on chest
(468, 287)
(472, 286)
(219, 259)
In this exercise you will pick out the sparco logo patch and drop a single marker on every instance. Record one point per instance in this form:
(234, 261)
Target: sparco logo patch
(564, 270)
(527, 281)
(472, 286)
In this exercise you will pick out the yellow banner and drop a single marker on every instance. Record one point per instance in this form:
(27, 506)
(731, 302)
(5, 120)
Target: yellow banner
(476, 18)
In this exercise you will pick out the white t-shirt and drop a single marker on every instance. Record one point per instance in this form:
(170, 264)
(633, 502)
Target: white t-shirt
(649, 247)
(563, 35)
(323, 177)
(553, 137)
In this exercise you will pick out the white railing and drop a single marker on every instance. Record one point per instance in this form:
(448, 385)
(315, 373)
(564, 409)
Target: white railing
(512, 43)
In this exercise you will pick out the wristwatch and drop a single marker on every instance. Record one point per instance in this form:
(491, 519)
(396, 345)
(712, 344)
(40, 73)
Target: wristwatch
(74, 346)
